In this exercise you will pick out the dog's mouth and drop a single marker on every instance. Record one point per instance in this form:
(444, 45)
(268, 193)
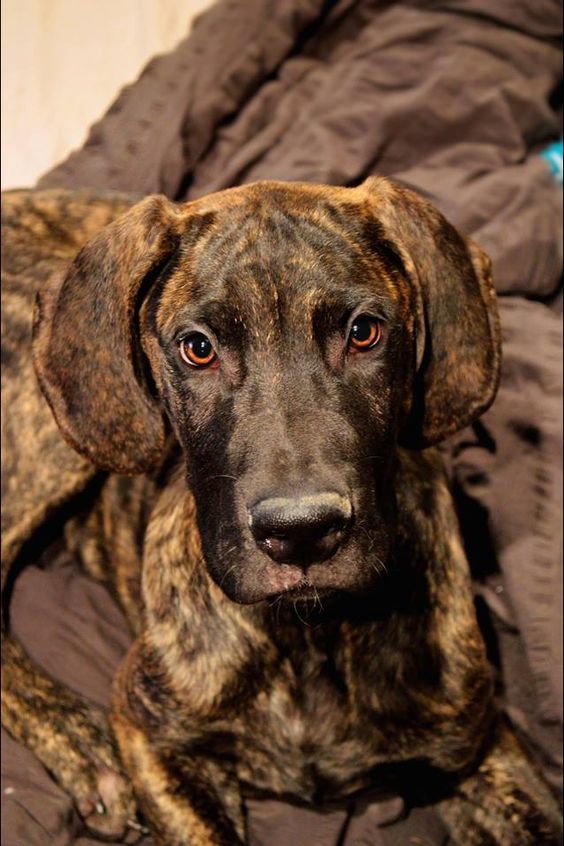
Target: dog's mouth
(336, 562)
(293, 582)
(306, 591)
(284, 579)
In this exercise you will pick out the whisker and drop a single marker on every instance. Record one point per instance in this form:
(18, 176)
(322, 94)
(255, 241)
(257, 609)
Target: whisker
(317, 599)
(304, 622)
(277, 603)
(382, 565)
(379, 566)
(367, 533)
(278, 607)
(227, 573)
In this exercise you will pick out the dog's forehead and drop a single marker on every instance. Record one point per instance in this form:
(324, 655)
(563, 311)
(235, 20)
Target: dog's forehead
(277, 246)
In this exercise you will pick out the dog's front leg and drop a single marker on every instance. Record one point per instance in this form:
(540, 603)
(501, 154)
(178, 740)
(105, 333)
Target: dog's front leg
(71, 738)
(504, 803)
(187, 797)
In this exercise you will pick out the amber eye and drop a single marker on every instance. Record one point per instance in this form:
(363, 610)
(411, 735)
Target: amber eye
(365, 333)
(197, 350)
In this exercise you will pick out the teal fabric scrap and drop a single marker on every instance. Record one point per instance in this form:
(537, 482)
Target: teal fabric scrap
(553, 155)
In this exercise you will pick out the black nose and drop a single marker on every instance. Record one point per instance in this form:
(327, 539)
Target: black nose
(306, 528)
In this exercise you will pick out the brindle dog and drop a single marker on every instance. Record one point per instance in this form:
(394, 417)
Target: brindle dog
(261, 371)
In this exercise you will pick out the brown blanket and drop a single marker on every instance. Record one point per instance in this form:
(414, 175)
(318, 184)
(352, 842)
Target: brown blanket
(454, 98)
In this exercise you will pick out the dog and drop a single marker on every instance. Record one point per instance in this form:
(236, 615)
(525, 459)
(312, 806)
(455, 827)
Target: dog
(263, 375)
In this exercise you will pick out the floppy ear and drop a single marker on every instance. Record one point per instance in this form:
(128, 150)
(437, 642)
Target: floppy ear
(85, 347)
(458, 349)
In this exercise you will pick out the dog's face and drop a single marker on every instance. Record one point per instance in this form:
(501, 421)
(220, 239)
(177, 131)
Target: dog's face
(282, 343)
(289, 333)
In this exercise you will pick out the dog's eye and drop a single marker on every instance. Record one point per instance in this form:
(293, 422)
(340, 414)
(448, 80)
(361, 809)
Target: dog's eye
(197, 350)
(365, 333)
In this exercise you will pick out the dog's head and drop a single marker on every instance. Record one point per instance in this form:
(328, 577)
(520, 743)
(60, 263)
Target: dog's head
(292, 336)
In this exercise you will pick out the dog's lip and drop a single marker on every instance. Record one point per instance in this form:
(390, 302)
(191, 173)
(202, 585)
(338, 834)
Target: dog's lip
(306, 590)
(281, 578)
(291, 582)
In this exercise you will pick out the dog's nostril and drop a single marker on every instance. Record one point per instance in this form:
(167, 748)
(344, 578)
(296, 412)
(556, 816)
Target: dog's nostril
(305, 528)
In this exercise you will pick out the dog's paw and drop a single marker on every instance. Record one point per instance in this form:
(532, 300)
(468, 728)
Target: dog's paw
(76, 745)
(508, 822)
(106, 805)
(504, 803)
(102, 793)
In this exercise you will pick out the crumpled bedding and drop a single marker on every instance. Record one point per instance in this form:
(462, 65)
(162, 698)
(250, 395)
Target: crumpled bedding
(454, 98)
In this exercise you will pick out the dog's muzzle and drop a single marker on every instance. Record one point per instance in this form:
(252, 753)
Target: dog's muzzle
(303, 529)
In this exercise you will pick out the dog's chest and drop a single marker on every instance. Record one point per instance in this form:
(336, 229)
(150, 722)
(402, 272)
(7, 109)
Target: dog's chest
(302, 736)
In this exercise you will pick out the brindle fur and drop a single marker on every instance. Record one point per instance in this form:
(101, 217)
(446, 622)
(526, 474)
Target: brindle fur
(376, 672)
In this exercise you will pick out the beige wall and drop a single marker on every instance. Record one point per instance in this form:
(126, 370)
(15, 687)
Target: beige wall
(63, 62)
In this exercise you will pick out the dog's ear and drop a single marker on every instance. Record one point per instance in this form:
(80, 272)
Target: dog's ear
(458, 347)
(85, 349)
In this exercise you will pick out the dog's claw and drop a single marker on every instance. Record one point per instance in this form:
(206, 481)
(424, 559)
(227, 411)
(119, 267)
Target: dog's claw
(137, 826)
